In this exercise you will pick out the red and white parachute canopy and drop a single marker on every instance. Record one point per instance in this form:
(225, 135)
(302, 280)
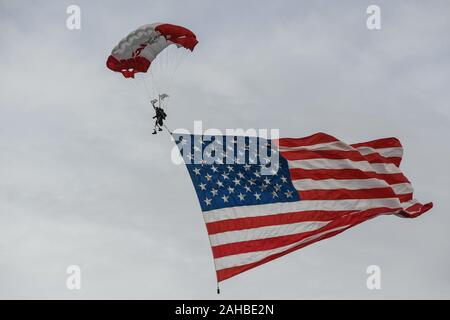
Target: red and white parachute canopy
(137, 50)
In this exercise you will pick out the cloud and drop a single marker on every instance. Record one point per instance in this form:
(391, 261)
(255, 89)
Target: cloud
(83, 181)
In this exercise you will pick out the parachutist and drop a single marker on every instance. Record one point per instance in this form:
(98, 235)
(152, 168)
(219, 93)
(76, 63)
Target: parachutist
(160, 116)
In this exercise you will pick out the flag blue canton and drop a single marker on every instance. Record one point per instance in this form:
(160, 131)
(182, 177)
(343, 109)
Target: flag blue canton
(228, 172)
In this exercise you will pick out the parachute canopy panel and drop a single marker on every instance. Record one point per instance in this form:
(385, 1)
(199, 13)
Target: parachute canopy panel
(137, 50)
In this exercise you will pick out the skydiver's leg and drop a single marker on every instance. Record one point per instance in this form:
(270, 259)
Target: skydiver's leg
(156, 126)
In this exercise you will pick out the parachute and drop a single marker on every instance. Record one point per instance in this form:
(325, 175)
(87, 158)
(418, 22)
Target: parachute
(136, 52)
(148, 49)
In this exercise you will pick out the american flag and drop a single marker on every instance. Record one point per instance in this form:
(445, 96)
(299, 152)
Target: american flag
(319, 187)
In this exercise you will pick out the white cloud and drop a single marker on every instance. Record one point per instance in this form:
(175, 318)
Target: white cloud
(83, 181)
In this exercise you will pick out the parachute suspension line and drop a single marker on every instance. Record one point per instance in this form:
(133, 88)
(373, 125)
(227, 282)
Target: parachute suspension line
(144, 82)
(179, 60)
(135, 85)
(155, 82)
(165, 63)
(163, 69)
(152, 80)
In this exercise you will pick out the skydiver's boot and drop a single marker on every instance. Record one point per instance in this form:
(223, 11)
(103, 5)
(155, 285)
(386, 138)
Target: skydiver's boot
(159, 129)
(154, 131)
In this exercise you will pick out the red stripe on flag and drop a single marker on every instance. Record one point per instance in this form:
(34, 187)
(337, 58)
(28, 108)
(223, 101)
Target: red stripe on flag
(337, 154)
(405, 197)
(306, 141)
(416, 210)
(341, 194)
(379, 144)
(344, 174)
(377, 158)
(275, 219)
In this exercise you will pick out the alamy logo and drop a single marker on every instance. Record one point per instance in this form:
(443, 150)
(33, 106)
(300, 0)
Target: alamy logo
(73, 281)
(73, 21)
(374, 280)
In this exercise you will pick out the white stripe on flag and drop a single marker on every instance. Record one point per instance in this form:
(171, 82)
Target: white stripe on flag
(410, 203)
(340, 146)
(382, 168)
(402, 188)
(385, 152)
(330, 184)
(297, 206)
(265, 232)
(337, 145)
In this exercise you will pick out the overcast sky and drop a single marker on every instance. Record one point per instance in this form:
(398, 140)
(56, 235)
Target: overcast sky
(83, 181)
